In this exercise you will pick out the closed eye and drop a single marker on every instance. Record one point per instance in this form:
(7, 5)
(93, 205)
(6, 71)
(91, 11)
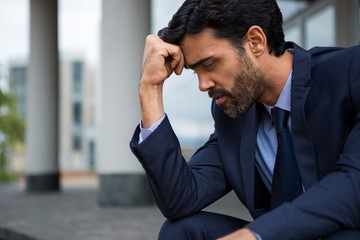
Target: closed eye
(208, 66)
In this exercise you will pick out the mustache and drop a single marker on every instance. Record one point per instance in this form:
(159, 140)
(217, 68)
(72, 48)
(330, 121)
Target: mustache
(218, 92)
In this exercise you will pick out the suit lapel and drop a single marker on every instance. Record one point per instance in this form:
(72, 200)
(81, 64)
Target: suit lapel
(303, 146)
(247, 154)
(237, 138)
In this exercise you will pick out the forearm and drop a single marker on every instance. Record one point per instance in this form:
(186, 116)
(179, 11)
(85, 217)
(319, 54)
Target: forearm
(151, 101)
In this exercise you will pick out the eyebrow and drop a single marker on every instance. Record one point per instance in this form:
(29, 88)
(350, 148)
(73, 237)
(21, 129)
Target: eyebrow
(198, 63)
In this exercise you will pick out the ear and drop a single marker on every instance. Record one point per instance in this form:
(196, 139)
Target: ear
(257, 40)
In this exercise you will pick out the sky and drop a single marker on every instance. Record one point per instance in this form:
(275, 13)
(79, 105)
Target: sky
(14, 28)
(79, 23)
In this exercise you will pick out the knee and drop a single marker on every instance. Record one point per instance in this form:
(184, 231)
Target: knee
(202, 225)
(182, 229)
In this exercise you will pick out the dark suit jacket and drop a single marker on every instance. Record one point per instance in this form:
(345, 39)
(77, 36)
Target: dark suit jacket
(325, 120)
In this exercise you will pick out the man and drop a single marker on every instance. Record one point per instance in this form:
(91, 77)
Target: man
(237, 50)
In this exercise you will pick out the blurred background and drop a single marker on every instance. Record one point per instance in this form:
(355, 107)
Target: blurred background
(69, 71)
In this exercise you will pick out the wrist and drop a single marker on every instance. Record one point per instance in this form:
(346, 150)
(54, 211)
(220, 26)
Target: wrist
(148, 90)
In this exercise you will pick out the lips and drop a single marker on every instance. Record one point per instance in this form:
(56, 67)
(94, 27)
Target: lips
(219, 95)
(219, 98)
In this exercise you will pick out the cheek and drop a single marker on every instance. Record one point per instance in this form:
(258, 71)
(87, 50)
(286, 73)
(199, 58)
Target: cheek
(226, 77)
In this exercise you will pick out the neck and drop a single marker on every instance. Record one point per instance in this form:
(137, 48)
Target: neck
(276, 70)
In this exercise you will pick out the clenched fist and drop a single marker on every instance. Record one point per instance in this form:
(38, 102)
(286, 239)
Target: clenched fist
(160, 60)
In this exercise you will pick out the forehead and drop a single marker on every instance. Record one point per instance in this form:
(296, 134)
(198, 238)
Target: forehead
(203, 45)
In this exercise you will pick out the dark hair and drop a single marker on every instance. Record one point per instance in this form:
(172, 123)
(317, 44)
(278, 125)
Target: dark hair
(230, 19)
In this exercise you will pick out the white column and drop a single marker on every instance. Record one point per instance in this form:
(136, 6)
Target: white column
(125, 25)
(346, 22)
(42, 103)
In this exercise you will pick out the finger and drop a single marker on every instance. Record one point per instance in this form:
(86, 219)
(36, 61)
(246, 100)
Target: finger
(177, 60)
(180, 66)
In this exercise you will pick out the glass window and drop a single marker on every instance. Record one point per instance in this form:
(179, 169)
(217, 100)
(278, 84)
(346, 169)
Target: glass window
(92, 154)
(76, 142)
(290, 8)
(77, 113)
(77, 76)
(293, 34)
(18, 87)
(77, 126)
(320, 28)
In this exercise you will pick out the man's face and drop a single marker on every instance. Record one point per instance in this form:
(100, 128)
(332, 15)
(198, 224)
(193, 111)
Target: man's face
(228, 74)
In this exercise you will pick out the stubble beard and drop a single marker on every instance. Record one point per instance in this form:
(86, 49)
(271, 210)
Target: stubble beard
(249, 85)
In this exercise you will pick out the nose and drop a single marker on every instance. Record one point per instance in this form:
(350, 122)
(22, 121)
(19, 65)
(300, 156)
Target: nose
(205, 83)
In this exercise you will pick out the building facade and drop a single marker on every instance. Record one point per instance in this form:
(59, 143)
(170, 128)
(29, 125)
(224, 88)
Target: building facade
(326, 23)
(77, 131)
(77, 116)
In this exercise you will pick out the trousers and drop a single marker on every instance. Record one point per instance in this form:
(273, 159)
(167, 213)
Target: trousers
(210, 226)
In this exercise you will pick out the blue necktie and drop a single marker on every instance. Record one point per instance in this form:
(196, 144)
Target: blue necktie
(286, 183)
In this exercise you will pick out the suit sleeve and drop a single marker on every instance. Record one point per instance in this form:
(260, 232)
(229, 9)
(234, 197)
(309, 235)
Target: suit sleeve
(180, 188)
